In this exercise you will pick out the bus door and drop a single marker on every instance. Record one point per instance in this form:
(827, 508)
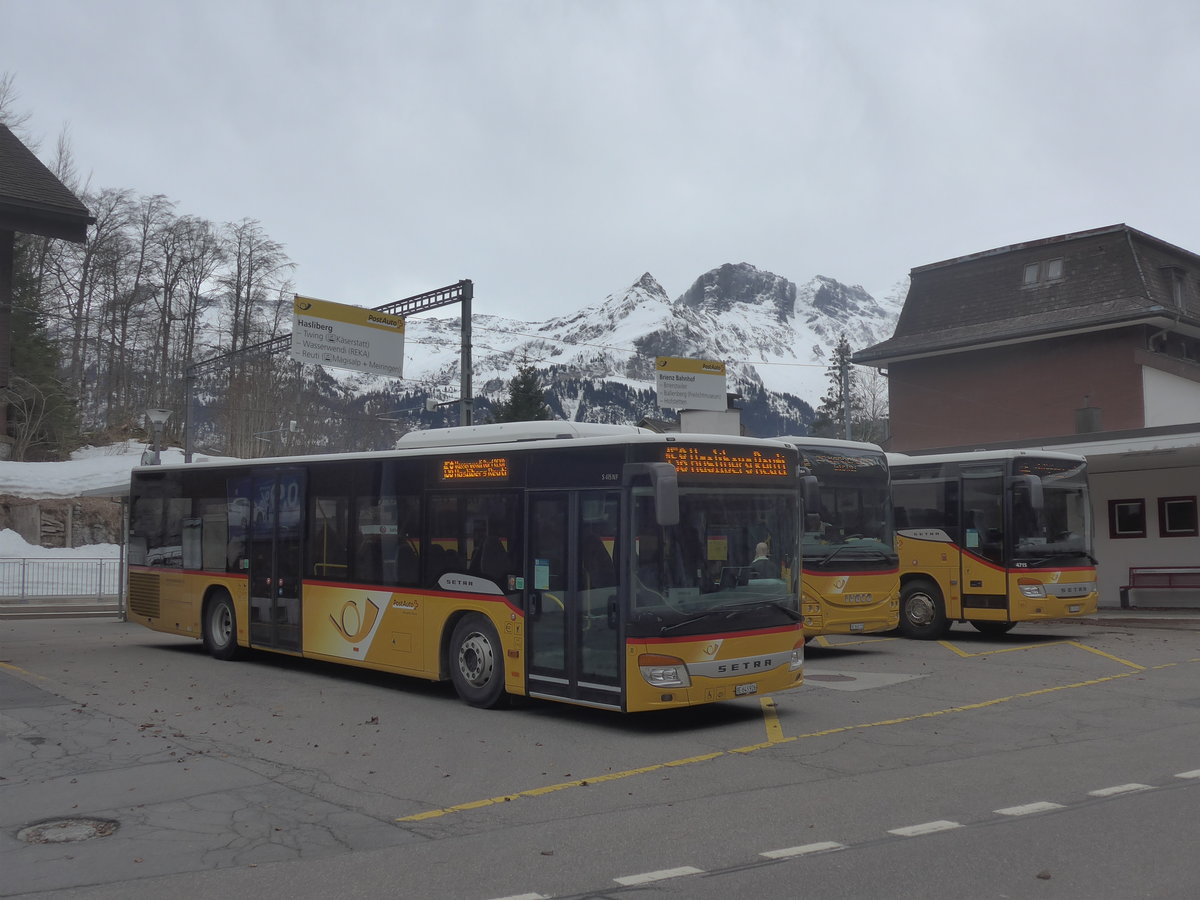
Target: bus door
(573, 626)
(276, 529)
(984, 580)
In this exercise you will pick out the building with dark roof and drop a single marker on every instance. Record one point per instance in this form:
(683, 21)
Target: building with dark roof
(32, 201)
(1086, 342)
(1101, 328)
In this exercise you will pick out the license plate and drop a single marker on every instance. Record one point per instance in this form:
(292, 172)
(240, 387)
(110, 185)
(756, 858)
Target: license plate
(1074, 607)
(741, 690)
(857, 626)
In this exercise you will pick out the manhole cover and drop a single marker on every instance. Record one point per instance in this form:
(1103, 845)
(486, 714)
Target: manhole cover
(62, 831)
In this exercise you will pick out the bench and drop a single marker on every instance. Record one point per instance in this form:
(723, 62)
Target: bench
(1163, 578)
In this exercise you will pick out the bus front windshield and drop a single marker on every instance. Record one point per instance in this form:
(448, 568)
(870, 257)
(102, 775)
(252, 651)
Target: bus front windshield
(855, 527)
(1060, 531)
(731, 564)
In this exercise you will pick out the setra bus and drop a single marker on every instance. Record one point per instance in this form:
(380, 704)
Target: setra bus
(599, 565)
(851, 575)
(992, 537)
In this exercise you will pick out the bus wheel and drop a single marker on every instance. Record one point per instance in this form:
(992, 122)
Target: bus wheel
(993, 628)
(922, 612)
(220, 627)
(477, 662)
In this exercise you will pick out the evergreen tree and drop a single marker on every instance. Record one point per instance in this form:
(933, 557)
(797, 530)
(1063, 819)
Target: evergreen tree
(830, 418)
(526, 402)
(42, 413)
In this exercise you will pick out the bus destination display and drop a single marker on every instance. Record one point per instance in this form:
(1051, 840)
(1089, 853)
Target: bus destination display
(726, 461)
(488, 467)
(839, 462)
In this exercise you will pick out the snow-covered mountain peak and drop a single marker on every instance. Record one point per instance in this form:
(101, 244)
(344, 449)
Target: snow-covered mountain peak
(776, 338)
(734, 285)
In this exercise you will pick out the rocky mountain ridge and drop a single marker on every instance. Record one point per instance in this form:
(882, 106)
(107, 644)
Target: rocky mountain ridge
(597, 363)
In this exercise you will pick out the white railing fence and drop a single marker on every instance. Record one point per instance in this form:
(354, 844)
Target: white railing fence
(75, 578)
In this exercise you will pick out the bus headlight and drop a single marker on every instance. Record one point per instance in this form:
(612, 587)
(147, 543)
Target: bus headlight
(664, 671)
(797, 660)
(1031, 589)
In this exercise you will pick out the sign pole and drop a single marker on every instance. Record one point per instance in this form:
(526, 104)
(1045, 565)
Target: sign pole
(465, 388)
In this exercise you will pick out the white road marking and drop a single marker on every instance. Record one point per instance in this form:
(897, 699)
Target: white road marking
(1119, 789)
(660, 875)
(926, 828)
(1195, 773)
(524, 897)
(1028, 809)
(823, 847)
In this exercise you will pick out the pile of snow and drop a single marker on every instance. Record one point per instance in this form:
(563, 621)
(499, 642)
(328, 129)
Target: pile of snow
(92, 468)
(13, 546)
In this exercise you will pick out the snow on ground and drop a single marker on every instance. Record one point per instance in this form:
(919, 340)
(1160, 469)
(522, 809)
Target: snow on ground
(13, 546)
(91, 468)
(88, 469)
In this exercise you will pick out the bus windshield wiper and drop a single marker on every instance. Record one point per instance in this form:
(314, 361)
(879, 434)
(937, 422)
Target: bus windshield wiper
(667, 629)
(731, 610)
(855, 552)
(735, 606)
(1068, 557)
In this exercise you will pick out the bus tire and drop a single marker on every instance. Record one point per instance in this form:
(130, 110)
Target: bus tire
(994, 629)
(220, 627)
(477, 662)
(922, 611)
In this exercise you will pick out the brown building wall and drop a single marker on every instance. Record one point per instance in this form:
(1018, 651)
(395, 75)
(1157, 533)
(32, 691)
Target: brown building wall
(1024, 391)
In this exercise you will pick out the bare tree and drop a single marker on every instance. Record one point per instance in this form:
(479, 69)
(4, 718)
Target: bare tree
(9, 116)
(31, 411)
(256, 266)
(872, 422)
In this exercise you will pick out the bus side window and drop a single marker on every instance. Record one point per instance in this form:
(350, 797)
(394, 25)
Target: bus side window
(327, 538)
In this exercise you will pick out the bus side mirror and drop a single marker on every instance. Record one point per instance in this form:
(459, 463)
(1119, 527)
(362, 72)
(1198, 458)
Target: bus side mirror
(1033, 484)
(810, 496)
(665, 481)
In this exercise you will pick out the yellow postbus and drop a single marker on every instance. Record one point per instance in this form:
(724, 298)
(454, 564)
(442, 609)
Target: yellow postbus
(992, 537)
(851, 576)
(598, 565)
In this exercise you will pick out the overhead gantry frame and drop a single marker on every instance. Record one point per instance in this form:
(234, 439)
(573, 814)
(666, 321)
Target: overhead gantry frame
(460, 292)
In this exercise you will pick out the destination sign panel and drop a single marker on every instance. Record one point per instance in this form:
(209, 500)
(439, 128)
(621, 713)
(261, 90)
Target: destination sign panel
(347, 337)
(488, 468)
(727, 462)
(840, 462)
(690, 383)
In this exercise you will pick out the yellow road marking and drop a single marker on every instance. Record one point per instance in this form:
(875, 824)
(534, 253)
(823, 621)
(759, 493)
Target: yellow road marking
(994, 650)
(12, 668)
(774, 741)
(1118, 659)
(824, 642)
(771, 720)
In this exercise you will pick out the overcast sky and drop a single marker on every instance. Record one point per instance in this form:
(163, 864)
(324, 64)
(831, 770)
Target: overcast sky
(553, 151)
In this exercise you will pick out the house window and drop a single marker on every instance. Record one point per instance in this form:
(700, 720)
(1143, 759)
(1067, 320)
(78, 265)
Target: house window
(1126, 518)
(1177, 517)
(1043, 271)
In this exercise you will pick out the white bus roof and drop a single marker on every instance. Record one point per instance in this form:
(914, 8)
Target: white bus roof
(486, 437)
(512, 432)
(808, 440)
(904, 459)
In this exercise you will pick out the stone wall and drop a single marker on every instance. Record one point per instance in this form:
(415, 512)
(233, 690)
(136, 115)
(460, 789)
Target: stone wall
(63, 523)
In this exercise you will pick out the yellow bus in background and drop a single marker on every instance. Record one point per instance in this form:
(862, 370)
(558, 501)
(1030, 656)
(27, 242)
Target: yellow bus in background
(597, 565)
(851, 578)
(992, 537)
